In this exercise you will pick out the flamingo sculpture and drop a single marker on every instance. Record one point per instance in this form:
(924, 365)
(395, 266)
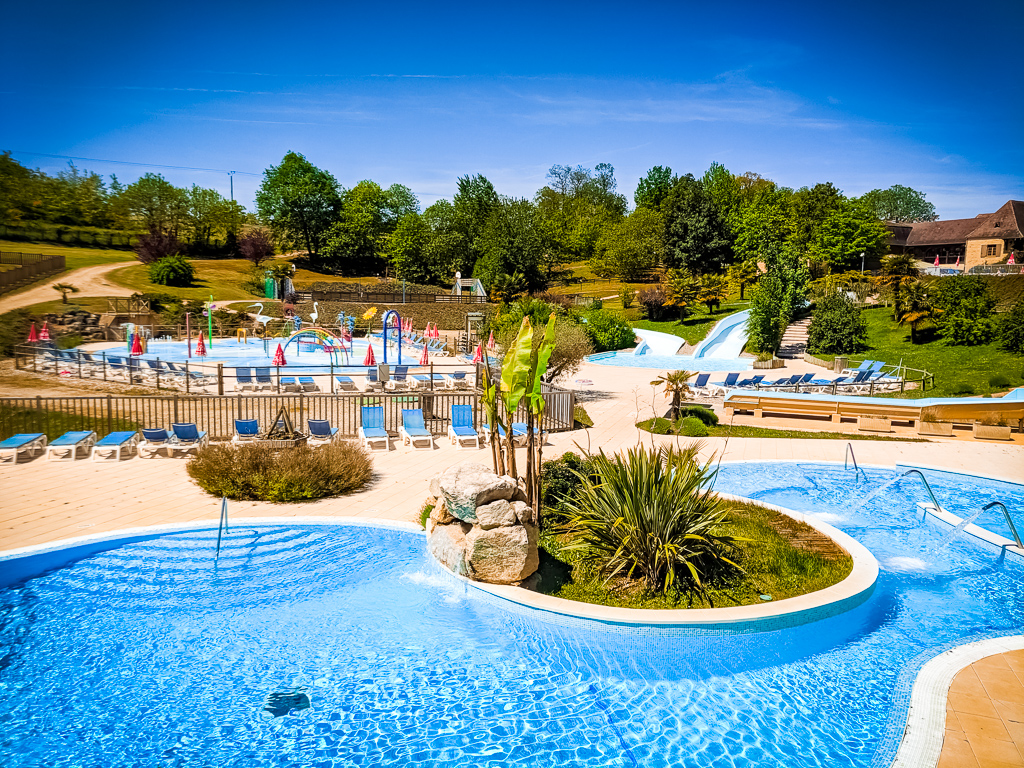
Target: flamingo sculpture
(261, 319)
(315, 314)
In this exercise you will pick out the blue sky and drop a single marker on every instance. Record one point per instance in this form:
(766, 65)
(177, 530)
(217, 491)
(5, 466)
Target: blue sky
(865, 95)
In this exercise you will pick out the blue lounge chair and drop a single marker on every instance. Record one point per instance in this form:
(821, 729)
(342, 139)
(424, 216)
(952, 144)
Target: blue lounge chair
(66, 447)
(423, 380)
(289, 384)
(722, 386)
(399, 378)
(243, 380)
(246, 430)
(114, 444)
(308, 384)
(457, 380)
(700, 384)
(153, 441)
(345, 382)
(371, 430)
(864, 366)
(187, 438)
(518, 432)
(263, 380)
(320, 432)
(372, 379)
(413, 431)
(751, 382)
(460, 430)
(856, 380)
(27, 442)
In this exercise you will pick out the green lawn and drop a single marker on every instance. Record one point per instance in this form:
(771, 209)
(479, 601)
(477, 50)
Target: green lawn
(958, 370)
(771, 565)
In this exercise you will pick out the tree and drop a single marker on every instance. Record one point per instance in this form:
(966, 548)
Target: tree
(173, 270)
(681, 290)
(653, 301)
(209, 213)
(368, 215)
(723, 189)
(677, 387)
(964, 308)
(158, 244)
(915, 307)
(770, 312)
(653, 188)
(299, 201)
(837, 326)
(632, 247)
(900, 204)
(714, 289)
(511, 242)
(763, 228)
(1011, 329)
(448, 248)
(696, 234)
(897, 271)
(809, 208)
(255, 245)
(743, 274)
(848, 230)
(65, 289)
(155, 203)
(474, 202)
(404, 249)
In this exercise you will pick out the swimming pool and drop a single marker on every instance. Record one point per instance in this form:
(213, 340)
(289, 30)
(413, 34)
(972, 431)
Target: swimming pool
(149, 653)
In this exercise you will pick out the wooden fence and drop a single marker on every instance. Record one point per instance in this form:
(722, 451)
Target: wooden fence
(396, 298)
(216, 414)
(28, 267)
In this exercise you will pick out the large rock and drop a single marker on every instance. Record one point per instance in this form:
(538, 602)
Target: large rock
(495, 515)
(448, 544)
(468, 485)
(501, 555)
(440, 515)
(523, 512)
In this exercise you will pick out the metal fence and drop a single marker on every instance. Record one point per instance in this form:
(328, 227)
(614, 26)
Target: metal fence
(216, 414)
(28, 267)
(396, 298)
(1004, 270)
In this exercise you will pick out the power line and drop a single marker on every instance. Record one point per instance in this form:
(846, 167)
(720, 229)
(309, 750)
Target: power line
(126, 162)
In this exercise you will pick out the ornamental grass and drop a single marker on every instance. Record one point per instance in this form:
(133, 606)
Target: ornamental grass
(253, 472)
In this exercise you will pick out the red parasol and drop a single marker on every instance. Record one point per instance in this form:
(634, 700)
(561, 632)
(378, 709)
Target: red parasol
(44, 335)
(32, 336)
(201, 346)
(136, 345)
(957, 260)
(936, 261)
(490, 341)
(437, 333)
(478, 356)
(425, 358)
(278, 356)
(1011, 260)
(369, 359)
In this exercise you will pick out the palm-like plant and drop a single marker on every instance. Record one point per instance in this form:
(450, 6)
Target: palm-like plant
(65, 289)
(714, 289)
(915, 307)
(652, 514)
(743, 274)
(898, 271)
(676, 387)
(681, 288)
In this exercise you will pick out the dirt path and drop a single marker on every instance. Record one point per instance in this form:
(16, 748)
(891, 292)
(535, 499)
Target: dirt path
(91, 281)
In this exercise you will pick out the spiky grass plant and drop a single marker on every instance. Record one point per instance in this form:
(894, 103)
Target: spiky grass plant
(651, 515)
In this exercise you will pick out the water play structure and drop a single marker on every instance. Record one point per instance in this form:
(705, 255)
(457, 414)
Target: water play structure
(327, 341)
(397, 328)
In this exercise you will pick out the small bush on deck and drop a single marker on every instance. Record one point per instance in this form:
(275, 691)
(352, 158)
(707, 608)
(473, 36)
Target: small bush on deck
(259, 473)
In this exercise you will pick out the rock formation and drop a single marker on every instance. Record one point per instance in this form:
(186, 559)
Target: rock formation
(480, 526)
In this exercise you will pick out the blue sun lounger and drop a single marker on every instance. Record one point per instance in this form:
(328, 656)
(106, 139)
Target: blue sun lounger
(461, 431)
(114, 444)
(246, 430)
(345, 382)
(27, 442)
(187, 438)
(372, 431)
(320, 432)
(66, 447)
(413, 431)
(153, 440)
(289, 384)
(308, 384)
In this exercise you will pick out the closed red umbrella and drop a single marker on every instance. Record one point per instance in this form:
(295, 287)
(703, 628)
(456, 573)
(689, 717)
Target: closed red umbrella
(44, 335)
(33, 337)
(490, 341)
(278, 356)
(478, 356)
(936, 261)
(201, 346)
(424, 358)
(1011, 260)
(136, 345)
(369, 359)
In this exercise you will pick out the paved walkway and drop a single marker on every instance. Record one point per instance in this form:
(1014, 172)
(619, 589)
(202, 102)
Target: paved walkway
(985, 715)
(90, 281)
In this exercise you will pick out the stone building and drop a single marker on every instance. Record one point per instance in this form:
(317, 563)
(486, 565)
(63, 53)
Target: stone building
(988, 238)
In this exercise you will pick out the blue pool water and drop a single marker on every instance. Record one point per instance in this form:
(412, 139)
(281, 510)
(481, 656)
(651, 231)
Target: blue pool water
(150, 654)
(670, 362)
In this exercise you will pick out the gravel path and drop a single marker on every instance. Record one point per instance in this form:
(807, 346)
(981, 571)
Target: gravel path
(91, 281)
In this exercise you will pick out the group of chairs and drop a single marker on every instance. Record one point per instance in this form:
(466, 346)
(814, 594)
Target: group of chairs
(861, 380)
(129, 369)
(186, 438)
(435, 346)
(413, 431)
(245, 380)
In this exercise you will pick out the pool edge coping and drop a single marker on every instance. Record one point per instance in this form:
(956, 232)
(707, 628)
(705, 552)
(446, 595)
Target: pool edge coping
(923, 737)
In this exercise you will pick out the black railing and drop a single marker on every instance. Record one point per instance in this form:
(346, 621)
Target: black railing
(27, 268)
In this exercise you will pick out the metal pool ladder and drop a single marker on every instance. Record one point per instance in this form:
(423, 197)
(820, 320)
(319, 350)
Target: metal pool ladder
(1009, 520)
(223, 525)
(851, 455)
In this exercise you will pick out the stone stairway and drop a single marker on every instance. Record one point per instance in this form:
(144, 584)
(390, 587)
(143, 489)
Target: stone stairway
(794, 340)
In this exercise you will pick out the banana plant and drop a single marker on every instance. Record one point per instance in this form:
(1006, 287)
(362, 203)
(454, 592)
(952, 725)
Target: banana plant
(490, 402)
(515, 378)
(535, 416)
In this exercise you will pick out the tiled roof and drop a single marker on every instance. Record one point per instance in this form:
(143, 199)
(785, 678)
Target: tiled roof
(1006, 223)
(950, 232)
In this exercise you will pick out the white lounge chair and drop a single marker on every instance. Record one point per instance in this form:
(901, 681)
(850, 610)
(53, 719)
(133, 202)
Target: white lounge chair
(66, 447)
(31, 443)
(114, 444)
(414, 432)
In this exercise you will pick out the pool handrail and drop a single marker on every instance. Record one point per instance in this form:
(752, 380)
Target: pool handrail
(848, 455)
(1009, 520)
(927, 485)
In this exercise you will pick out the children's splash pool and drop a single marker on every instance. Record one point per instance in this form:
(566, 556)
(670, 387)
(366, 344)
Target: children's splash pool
(149, 652)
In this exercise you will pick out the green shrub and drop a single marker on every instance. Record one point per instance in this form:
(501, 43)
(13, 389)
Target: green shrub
(998, 381)
(1011, 329)
(963, 388)
(253, 472)
(764, 357)
(691, 426)
(706, 415)
(595, 304)
(626, 294)
(425, 511)
(837, 327)
(964, 311)
(651, 514)
(14, 329)
(172, 270)
(560, 479)
(69, 342)
(607, 331)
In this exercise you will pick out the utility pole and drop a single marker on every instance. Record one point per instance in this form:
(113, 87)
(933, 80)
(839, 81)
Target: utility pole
(231, 175)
